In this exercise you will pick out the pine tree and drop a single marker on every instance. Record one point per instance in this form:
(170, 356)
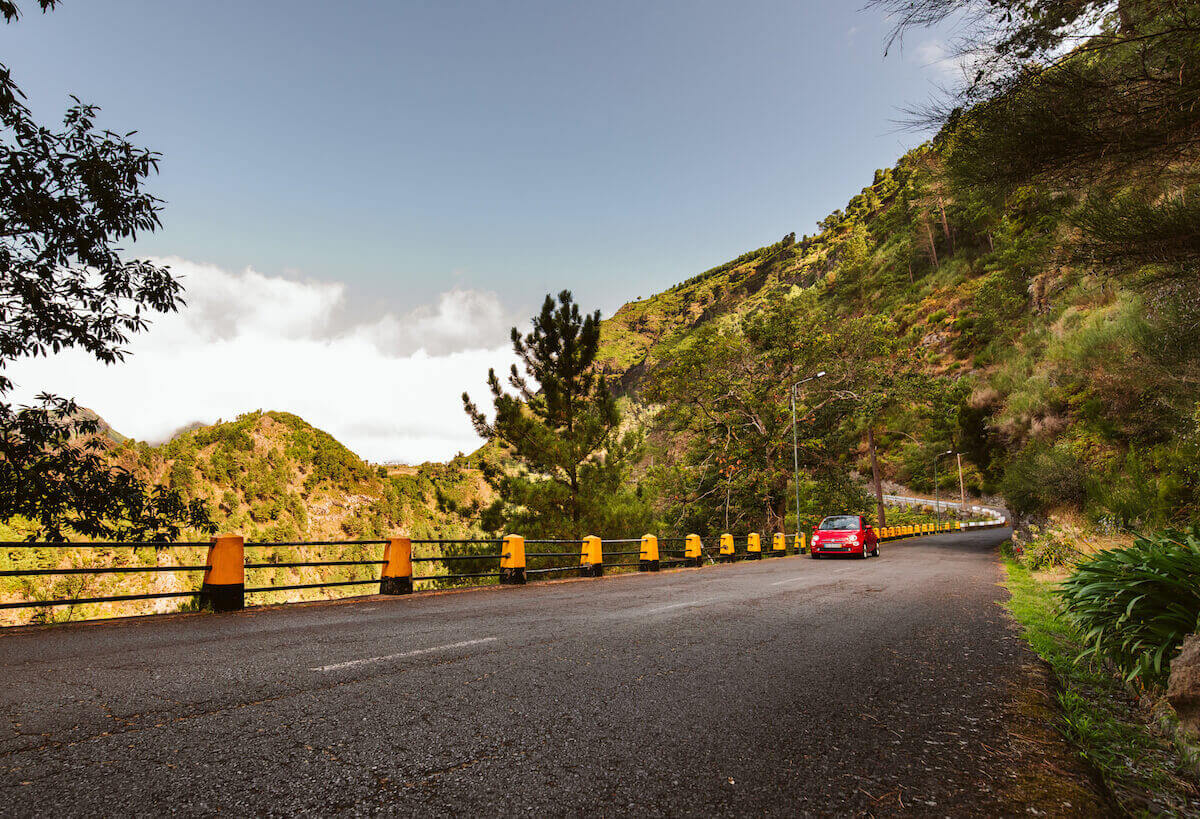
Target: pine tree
(561, 428)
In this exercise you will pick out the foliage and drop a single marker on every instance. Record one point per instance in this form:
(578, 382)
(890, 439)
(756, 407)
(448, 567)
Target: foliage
(1051, 547)
(561, 427)
(1042, 477)
(725, 398)
(1135, 605)
(66, 198)
(55, 475)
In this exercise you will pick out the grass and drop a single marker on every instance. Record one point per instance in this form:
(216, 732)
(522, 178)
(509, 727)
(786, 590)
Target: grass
(1143, 769)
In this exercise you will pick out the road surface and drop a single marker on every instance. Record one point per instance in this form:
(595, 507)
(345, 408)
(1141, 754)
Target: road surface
(789, 686)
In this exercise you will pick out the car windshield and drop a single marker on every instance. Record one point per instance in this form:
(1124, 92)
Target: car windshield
(839, 523)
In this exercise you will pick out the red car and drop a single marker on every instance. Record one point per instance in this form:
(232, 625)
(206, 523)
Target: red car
(844, 535)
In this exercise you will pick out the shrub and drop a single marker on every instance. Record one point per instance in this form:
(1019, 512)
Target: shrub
(1042, 477)
(1135, 605)
(1050, 548)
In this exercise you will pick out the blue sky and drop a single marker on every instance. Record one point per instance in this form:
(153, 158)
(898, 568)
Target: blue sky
(611, 147)
(390, 153)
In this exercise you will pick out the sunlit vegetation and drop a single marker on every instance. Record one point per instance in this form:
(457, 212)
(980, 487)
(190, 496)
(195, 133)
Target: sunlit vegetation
(270, 477)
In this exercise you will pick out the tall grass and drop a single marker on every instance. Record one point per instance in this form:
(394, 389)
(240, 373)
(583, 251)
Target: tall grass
(1135, 605)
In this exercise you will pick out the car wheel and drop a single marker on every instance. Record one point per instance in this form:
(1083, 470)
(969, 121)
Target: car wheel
(865, 554)
(815, 556)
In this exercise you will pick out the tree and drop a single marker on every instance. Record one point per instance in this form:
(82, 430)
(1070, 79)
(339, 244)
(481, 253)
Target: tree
(561, 427)
(725, 400)
(66, 198)
(1096, 96)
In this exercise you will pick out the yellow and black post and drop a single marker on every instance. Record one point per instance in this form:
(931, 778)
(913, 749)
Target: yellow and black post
(512, 561)
(224, 586)
(692, 551)
(753, 546)
(778, 544)
(801, 543)
(397, 567)
(726, 555)
(649, 558)
(591, 558)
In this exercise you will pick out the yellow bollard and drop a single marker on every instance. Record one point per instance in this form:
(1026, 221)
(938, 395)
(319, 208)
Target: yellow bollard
(727, 548)
(591, 557)
(224, 586)
(692, 551)
(800, 542)
(779, 544)
(649, 559)
(512, 561)
(396, 577)
(753, 547)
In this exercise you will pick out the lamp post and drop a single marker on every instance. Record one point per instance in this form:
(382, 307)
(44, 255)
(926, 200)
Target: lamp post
(937, 505)
(795, 446)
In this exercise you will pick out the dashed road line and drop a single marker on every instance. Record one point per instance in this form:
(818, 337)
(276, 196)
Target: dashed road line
(404, 654)
(677, 606)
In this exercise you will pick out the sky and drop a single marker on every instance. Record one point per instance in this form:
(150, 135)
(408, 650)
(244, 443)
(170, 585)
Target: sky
(363, 197)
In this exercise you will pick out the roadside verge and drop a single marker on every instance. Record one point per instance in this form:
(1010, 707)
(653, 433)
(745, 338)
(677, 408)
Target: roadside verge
(1143, 769)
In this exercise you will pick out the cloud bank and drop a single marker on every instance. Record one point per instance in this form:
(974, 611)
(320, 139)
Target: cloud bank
(388, 387)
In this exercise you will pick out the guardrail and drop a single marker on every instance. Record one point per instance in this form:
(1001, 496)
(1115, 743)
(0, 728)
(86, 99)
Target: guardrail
(995, 515)
(507, 561)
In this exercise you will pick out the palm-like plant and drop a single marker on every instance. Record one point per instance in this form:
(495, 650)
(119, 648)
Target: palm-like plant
(1135, 605)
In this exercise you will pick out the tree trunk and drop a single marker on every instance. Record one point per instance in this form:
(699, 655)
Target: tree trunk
(575, 505)
(932, 242)
(881, 516)
(962, 492)
(946, 224)
(777, 513)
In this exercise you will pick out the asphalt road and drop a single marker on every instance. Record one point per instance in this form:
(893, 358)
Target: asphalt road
(790, 686)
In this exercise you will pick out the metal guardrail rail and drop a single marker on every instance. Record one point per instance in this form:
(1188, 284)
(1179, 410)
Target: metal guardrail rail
(989, 512)
(506, 560)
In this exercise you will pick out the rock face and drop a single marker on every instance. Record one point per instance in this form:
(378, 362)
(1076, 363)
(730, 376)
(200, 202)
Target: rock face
(1183, 691)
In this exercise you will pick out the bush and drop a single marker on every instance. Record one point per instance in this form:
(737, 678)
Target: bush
(1042, 477)
(1135, 605)
(1050, 548)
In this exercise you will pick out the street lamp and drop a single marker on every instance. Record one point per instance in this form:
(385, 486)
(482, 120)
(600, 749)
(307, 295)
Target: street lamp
(937, 506)
(795, 446)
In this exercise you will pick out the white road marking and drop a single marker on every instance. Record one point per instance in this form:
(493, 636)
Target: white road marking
(677, 606)
(403, 654)
(790, 580)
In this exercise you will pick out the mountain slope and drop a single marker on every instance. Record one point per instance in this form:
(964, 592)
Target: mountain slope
(1080, 382)
(268, 476)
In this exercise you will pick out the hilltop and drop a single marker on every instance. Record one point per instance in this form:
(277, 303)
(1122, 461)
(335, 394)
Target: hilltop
(273, 476)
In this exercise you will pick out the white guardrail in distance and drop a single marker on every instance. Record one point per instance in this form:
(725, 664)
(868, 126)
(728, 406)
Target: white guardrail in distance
(995, 516)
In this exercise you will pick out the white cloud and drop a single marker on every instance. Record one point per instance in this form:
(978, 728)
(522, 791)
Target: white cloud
(933, 54)
(388, 388)
(948, 64)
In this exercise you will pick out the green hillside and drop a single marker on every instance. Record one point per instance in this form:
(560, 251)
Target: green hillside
(268, 476)
(1078, 381)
